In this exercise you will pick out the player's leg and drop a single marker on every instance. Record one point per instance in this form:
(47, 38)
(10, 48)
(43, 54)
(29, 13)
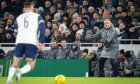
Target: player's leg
(101, 66)
(16, 62)
(30, 54)
(12, 69)
(28, 67)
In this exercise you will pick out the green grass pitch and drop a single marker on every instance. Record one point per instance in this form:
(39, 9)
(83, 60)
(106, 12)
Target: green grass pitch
(75, 80)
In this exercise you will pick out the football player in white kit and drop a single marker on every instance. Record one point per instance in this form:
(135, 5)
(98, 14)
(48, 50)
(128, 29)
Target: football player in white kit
(29, 28)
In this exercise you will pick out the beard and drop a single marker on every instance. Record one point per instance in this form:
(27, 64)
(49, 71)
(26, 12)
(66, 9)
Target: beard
(106, 26)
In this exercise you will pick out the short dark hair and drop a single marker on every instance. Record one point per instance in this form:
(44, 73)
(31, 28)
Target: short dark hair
(75, 24)
(63, 40)
(27, 4)
(82, 22)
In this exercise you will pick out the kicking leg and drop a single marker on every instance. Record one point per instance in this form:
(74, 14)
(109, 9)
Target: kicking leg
(28, 67)
(25, 69)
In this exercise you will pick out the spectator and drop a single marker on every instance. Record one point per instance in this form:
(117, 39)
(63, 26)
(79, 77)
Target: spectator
(3, 8)
(127, 19)
(66, 19)
(41, 12)
(79, 36)
(61, 12)
(12, 16)
(85, 54)
(89, 33)
(131, 33)
(52, 11)
(130, 3)
(76, 6)
(49, 25)
(122, 27)
(79, 19)
(64, 51)
(71, 11)
(87, 23)
(132, 11)
(119, 8)
(137, 15)
(47, 6)
(82, 27)
(135, 22)
(9, 38)
(122, 3)
(57, 36)
(9, 25)
(47, 36)
(53, 52)
(131, 65)
(113, 9)
(69, 36)
(59, 5)
(62, 28)
(56, 17)
(2, 54)
(94, 66)
(86, 3)
(107, 6)
(75, 28)
(48, 17)
(11, 6)
(60, 22)
(54, 27)
(75, 52)
(2, 22)
(84, 9)
(1, 33)
(6, 16)
(68, 4)
(95, 16)
(100, 11)
(95, 30)
(105, 15)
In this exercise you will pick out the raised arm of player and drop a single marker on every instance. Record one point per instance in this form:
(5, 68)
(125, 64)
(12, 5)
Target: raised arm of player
(42, 33)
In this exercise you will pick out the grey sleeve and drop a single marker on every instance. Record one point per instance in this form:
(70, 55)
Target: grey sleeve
(125, 67)
(137, 66)
(80, 54)
(69, 55)
(96, 67)
(97, 35)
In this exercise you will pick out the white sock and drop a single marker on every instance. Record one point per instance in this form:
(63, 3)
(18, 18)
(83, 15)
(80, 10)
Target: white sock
(25, 69)
(12, 71)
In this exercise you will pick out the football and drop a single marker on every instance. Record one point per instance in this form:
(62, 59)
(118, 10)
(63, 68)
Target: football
(60, 79)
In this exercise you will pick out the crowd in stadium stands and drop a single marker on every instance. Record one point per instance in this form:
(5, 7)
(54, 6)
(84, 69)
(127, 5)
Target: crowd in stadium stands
(70, 21)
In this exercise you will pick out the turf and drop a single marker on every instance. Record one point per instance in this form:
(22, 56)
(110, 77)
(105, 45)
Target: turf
(75, 80)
